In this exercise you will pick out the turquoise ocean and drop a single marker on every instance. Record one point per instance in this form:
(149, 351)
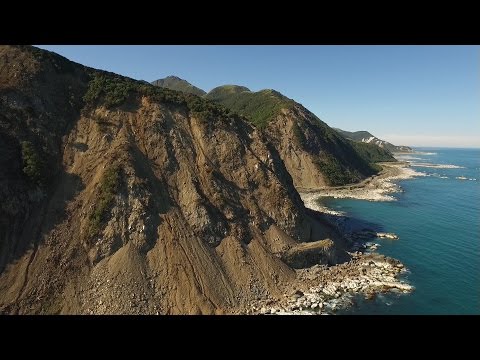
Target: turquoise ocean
(437, 218)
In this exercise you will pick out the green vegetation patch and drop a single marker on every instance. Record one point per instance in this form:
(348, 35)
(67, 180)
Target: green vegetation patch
(175, 83)
(113, 90)
(342, 161)
(202, 108)
(258, 107)
(58, 62)
(372, 153)
(108, 187)
(335, 173)
(33, 165)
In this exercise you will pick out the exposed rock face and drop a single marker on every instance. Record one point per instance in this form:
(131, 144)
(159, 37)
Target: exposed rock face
(301, 165)
(309, 254)
(196, 218)
(313, 153)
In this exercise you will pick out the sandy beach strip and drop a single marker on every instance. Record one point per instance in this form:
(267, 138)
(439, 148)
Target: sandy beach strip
(376, 188)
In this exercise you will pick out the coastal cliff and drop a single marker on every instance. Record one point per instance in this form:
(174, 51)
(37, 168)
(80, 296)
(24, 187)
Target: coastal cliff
(120, 197)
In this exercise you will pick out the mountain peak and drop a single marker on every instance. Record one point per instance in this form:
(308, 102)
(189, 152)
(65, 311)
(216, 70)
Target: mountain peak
(227, 89)
(173, 77)
(175, 83)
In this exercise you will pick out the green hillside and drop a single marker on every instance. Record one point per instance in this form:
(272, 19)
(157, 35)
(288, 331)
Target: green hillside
(372, 153)
(260, 107)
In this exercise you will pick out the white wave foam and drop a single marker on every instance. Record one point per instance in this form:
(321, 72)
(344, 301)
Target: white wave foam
(437, 166)
(407, 157)
(465, 178)
(425, 153)
(406, 173)
(438, 176)
(310, 201)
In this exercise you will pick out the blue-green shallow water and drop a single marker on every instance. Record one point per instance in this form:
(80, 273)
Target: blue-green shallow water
(438, 222)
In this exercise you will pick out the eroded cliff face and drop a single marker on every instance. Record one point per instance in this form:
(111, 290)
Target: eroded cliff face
(144, 207)
(300, 163)
(314, 155)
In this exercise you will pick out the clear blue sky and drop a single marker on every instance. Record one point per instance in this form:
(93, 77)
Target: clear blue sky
(410, 95)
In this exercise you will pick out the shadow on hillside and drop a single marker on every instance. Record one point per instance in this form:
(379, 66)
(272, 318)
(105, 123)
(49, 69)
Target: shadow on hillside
(346, 229)
(161, 201)
(28, 230)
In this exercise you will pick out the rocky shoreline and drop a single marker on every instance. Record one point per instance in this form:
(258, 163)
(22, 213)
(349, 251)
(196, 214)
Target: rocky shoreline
(323, 290)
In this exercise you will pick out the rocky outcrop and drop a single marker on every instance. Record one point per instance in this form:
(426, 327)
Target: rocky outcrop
(326, 290)
(308, 254)
(299, 161)
(391, 236)
(313, 153)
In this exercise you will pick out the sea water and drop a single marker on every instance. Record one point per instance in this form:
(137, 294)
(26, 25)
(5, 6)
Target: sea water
(437, 218)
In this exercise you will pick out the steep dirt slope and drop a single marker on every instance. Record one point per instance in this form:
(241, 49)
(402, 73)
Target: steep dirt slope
(118, 197)
(315, 155)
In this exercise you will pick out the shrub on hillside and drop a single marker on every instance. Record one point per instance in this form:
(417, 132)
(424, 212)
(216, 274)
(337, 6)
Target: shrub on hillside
(108, 187)
(33, 165)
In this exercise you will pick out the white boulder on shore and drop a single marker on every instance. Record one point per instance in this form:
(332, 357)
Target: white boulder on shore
(366, 274)
(387, 235)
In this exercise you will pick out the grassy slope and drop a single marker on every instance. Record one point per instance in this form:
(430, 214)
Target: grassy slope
(259, 107)
(372, 153)
(355, 135)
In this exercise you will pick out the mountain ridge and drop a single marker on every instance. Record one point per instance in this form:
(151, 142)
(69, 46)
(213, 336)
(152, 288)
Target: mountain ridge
(317, 156)
(366, 137)
(311, 158)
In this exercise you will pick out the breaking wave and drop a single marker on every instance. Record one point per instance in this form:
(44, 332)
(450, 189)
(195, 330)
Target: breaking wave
(437, 166)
